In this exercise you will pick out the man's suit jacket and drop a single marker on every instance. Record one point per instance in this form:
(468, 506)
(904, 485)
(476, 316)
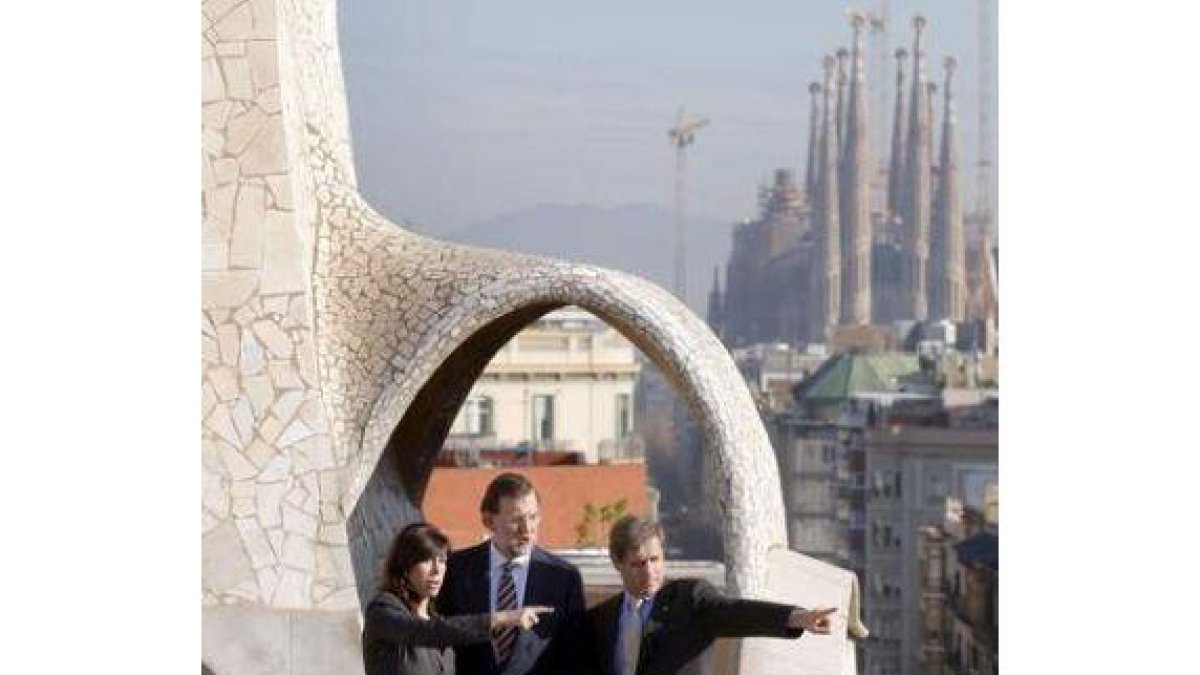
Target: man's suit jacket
(687, 616)
(552, 646)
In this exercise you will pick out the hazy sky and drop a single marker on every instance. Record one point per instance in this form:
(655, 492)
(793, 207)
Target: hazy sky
(464, 110)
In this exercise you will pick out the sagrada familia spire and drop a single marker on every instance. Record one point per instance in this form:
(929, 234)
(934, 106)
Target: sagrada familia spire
(852, 256)
(856, 191)
(917, 182)
(895, 185)
(716, 318)
(838, 182)
(841, 54)
(828, 206)
(949, 254)
(814, 134)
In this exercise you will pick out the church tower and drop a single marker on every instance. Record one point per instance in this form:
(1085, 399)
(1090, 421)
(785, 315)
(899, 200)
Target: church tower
(895, 193)
(814, 139)
(716, 304)
(855, 188)
(949, 295)
(827, 207)
(917, 180)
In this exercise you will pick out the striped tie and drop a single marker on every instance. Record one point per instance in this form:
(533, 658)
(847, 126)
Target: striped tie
(506, 599)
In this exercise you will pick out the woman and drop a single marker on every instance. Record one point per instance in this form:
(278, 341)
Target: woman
(403, 634)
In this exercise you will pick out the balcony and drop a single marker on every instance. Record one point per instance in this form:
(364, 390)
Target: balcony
(467, 456)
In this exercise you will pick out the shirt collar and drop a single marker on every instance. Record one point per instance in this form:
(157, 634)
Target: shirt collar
(496, 558)
(627, 603)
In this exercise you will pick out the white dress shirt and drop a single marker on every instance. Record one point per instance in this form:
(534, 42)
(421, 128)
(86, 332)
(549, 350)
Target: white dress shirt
(520, 572)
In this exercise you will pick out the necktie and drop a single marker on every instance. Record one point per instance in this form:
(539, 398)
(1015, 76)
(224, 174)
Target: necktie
(631, 638)
(506, 599)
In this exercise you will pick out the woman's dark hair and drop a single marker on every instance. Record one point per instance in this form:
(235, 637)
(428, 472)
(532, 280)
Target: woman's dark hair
(416, 543)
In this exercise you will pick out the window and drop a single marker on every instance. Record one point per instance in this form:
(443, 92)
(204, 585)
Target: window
(543, 417)
(624, 417)
(475, 418)
(485, 416)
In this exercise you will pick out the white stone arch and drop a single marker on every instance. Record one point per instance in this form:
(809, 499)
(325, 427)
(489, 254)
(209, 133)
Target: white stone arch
(692, 358)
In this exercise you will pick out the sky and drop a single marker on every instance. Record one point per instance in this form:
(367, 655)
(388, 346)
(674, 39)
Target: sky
(461, 111)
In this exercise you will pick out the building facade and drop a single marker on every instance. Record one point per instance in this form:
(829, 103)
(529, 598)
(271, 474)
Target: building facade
(868, 456)
(773, 370)
(564, 383)
(910, 471)
(809, 454)
(960, 595)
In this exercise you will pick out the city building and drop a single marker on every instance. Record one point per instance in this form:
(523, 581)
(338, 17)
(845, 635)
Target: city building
(960, 591)
(808, 452)
(868, 454)
(814, 448)
(773, 370)
(565, 383)
(557, 403)
(850, 249)
(910, 471)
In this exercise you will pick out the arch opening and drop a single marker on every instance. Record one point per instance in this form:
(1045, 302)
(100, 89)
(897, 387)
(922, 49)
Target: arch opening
(395, 493)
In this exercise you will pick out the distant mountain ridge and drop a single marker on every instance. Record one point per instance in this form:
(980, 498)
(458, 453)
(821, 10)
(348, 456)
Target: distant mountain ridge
(634, 238)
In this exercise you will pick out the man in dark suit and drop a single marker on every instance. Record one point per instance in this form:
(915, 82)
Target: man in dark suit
(510, 571)
(657, 628)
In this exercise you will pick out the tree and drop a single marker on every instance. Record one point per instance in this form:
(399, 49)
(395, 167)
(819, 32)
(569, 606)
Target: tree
(597, 521)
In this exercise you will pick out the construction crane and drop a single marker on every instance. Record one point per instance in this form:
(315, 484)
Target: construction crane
(682, 135)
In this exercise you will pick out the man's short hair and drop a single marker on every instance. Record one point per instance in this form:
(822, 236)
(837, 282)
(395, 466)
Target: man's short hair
(631, 532)
(510, 485)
